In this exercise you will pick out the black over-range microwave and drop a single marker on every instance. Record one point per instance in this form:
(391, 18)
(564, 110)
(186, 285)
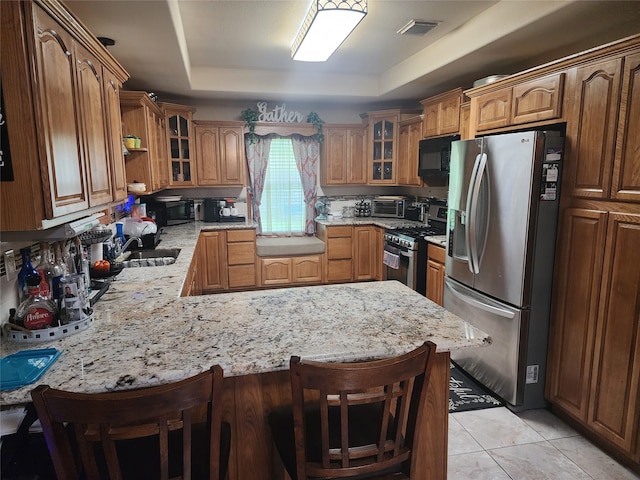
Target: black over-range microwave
(435, 156)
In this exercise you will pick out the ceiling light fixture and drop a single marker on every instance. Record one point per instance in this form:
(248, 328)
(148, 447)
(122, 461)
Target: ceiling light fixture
(327, 24)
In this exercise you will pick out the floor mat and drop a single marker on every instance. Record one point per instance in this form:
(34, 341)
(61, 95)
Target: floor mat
(467, 394)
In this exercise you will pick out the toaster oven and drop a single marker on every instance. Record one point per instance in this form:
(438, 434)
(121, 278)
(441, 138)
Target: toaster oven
(393, 207)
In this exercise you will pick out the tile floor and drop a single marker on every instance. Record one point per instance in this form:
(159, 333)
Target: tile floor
(496, 444)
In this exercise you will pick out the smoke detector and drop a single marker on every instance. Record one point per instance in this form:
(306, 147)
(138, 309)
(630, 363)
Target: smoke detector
(417, 27)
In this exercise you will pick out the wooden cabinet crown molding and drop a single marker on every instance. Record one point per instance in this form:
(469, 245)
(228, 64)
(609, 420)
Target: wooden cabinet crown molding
(620, 47)
(81, 33)
(135, 98)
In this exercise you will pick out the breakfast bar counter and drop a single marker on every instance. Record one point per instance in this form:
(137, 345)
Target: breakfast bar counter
(144, 334)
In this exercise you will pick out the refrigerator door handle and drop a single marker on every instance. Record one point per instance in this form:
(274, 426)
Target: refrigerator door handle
(469, 234)
(472, 211)
(474, 227)
(477, 303)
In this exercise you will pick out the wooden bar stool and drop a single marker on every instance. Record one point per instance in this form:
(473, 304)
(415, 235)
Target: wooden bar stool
(353, 420)
(150, 433)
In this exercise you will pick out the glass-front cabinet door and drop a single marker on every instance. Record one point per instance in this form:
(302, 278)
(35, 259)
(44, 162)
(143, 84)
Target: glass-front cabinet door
(179, 121)
(382, 131)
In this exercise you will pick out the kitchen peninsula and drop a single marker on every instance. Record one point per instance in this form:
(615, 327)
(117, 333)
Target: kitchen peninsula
(145, 334)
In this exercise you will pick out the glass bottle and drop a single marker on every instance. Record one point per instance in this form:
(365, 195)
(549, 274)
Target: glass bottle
(26, 270)
(82, 264)
(59, 270)
(36, 311)
(45, 269)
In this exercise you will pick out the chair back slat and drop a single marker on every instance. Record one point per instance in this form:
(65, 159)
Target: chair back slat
(101, 420)
(364, 411)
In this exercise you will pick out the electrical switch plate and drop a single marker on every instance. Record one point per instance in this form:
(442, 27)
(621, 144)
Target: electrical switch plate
(10, 264)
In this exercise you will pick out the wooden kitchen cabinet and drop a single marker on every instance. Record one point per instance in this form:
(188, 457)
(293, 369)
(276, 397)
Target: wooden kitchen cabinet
(383, 147)
(343, 156)
(56, 114)
(241, 258)
(493, 110)
(220, 154)
(353, 252)
(299, 270)
(112, 86)
(307, 269)
(94, 127)
(441, 114)
(180, 142)
(212, 252)
(615, 380)
(339, 252)
(409, 137)
(626, 163)
(595, 336)
(435, 273)
(145, 119)
(367, 255)
(593, 131)
(276, 271)
(531, 101)
(465, 120)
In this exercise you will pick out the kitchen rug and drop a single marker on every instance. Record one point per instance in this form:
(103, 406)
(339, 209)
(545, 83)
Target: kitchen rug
(466, 394)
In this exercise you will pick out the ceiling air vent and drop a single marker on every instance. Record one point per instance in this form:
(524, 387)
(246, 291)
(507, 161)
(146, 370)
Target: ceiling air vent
(417, 27)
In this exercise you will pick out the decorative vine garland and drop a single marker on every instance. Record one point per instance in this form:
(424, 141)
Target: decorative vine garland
(250, 118)
(317, 122)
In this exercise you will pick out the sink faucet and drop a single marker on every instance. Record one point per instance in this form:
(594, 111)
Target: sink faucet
(128, 242)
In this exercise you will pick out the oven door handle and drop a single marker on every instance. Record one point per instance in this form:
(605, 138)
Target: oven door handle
(405, 253)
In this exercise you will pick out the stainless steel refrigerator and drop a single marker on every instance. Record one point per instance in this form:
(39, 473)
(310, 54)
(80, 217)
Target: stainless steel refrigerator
(501, 231)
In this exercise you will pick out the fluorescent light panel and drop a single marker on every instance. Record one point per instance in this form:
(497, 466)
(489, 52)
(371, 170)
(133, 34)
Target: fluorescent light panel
(327, 24)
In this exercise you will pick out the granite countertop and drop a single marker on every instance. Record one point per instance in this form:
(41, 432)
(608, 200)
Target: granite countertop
(145, 334)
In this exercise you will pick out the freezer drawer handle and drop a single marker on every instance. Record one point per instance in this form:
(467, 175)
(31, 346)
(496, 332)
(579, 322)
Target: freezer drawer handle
(476, 303)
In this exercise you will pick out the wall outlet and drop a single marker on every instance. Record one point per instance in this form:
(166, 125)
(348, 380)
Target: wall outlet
(532, 373)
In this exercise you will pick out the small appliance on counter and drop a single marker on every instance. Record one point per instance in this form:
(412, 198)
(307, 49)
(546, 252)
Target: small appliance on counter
(322, 207)
(413, 212)
(388, 206)
(221, 210)
(170, 210)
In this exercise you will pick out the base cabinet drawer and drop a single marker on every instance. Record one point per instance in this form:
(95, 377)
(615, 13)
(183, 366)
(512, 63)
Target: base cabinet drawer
(339, 248)
(241, 258)
(242, 253)
(242, 276)
(339, 270)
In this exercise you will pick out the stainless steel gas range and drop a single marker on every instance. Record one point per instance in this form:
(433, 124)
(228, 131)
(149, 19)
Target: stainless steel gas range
(405, 249)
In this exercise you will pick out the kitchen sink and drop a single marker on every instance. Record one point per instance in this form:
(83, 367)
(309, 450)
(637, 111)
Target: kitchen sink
(152, 258)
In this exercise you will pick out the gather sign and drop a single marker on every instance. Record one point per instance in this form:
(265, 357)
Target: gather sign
(279, 113)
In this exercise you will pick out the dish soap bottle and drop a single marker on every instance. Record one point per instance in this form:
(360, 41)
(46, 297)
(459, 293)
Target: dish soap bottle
(37, 311)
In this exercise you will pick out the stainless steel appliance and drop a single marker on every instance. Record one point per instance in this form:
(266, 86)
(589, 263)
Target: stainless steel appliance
(388, 206)
(503, 206)
(434, 156)
(405, 250)
(172, 212)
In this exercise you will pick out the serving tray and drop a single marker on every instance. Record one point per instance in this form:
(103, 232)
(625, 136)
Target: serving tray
(25, 367)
